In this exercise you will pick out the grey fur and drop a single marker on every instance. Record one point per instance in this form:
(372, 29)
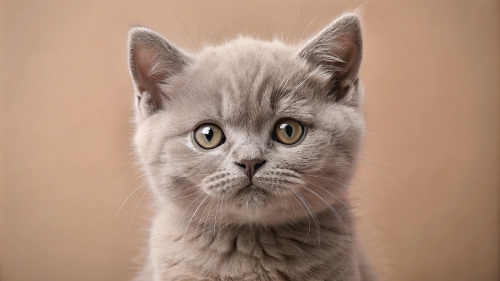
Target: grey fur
(294, 222)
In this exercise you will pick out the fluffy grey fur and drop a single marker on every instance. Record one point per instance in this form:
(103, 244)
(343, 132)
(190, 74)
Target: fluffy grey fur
(291, 220)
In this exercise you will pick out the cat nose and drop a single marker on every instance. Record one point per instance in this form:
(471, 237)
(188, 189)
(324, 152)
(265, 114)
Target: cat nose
(251, 166)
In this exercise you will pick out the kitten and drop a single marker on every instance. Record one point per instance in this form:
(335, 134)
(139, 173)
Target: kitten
(248, 149)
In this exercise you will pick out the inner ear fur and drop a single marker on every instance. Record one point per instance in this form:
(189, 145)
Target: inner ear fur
(337, 49)
(153, 61)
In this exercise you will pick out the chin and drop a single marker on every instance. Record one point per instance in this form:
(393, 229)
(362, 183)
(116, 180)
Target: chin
(252, 198)
(255, 205)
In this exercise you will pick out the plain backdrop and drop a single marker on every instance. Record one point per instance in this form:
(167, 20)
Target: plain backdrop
(431, 158)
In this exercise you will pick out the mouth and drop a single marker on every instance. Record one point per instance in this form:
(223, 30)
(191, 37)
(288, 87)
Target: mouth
(251, 188)
(252, 197)
(251, 185)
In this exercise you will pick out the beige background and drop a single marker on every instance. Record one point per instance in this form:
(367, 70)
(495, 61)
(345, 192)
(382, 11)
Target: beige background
(431, 160)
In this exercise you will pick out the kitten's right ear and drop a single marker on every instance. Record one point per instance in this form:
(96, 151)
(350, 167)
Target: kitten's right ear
(153, 61)
(338, 51)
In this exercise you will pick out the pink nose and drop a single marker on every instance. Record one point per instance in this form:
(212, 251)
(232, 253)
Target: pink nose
(251, 166)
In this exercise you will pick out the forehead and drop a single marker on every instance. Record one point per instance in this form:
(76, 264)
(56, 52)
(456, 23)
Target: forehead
(251, 83)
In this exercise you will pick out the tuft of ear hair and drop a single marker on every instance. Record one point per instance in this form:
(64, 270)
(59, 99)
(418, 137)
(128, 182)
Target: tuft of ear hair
(337, 49)
(152, 61)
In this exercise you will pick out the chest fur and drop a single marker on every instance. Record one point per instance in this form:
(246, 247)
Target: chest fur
(223, 253)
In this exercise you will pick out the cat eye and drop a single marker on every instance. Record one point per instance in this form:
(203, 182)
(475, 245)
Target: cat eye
(209, 136)
(288, 131)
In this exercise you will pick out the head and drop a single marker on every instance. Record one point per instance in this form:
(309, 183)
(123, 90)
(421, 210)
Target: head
(260, 126)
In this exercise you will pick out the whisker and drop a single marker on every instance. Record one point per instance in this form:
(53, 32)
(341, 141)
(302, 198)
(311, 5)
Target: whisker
(359, 195)
(227, 199)
(206, 219)
(384, 175)
(362, 155)
(133, 214)
(175, 11)
(302, 36)
(283, 203)
(216, 209)
(177, 225)
(282, 88)
(313, 215)
(130, 196)
(291, 203)
(309, 76)
(379, 162)
(201, 218)
(336, 214)
(183, 190)
(329, 193)
(376, 231)
(196, 192)
(364, 185)
(376, 169)
(307, 216)
(221, 215)
(189, 222)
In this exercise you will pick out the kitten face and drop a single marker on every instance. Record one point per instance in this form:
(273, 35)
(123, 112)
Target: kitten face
(247, 88)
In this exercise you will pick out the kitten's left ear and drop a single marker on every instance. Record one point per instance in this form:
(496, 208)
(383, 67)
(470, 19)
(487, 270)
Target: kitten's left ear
(337, 50)
(153, 61)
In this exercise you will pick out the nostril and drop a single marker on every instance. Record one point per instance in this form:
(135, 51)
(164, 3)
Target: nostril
(251, 166)
(258, 165)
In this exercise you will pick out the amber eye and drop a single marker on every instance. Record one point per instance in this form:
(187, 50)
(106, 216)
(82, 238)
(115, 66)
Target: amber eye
(288, 131)
(209, 136)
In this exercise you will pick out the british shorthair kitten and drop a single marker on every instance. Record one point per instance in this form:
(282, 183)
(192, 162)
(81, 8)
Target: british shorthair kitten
(248, 149)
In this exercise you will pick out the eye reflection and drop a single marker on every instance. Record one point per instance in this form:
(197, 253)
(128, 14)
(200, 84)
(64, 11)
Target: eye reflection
(209, 136)
(288, 131)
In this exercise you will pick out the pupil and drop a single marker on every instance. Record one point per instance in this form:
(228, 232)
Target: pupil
(289, 130)
(209, 133)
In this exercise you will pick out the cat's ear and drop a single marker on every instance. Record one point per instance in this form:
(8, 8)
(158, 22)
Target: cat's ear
(337, 50)
(153, 61)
